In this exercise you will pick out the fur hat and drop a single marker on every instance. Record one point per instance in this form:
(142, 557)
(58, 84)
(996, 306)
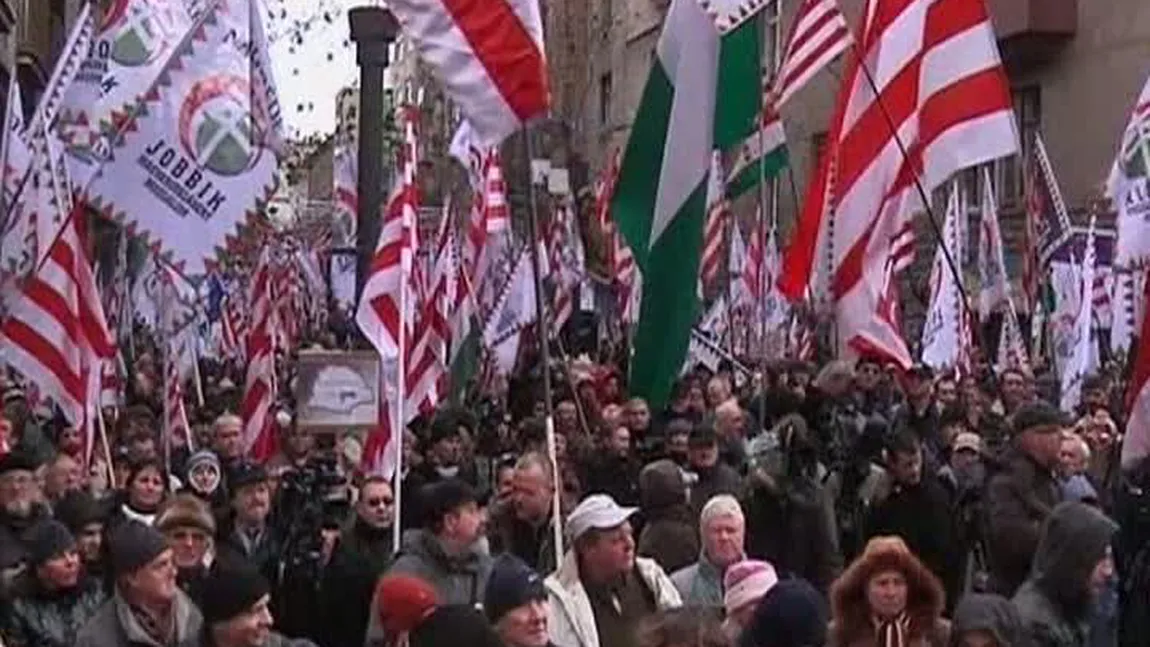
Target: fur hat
(849, 607)
(186, 511)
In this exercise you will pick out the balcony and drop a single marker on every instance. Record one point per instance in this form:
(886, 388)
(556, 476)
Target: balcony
(1032, 32)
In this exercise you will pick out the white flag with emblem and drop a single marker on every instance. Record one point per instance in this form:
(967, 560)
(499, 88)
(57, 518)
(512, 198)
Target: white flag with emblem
(134, 42)
(200, 157)
(1129, 186)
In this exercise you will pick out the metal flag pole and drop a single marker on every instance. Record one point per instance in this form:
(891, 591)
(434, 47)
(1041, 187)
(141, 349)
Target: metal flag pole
(544, 345)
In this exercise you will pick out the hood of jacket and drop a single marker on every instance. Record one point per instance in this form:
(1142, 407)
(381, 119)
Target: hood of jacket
(1074, 540)
(993, 614)
(662, 484)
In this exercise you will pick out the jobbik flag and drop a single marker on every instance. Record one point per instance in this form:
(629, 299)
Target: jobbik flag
(943, 335)
(1129, 185)
(200, 156)
(133, 43)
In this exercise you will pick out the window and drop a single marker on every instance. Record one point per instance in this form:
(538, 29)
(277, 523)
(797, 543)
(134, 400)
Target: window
(59, 30)
(1028, 112)
(772, 37)
(605, 99)
(818, 147)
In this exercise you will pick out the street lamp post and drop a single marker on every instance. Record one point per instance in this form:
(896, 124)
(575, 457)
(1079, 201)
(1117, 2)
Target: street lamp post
(373, 29)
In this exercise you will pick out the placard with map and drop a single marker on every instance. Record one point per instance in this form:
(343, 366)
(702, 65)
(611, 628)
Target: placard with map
(337, 390)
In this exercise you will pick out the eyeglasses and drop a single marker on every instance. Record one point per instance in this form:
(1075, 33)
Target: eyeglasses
(375, 502)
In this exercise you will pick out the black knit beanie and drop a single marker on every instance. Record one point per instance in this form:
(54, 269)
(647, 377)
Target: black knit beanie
(231, 590)
(48, 539)
(133, 545)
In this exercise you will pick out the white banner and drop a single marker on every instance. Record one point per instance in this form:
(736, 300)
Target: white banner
(1129, 186)
(942, 335)
(200, 158)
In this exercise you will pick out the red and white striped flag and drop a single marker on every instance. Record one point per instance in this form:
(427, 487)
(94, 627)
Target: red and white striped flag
(386, 311)
(563, 276)
(620, 262)
(940, 82)
(259, 383)
(819, 35)
(56, 335)
(488, 56)
(718, 212)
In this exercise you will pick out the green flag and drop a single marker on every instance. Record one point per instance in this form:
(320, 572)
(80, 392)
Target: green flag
(703, 94)
(762, 156)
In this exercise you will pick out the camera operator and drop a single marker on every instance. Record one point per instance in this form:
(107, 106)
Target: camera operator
(297, 446)
(311, 503)
(362, 553)
(250, 532)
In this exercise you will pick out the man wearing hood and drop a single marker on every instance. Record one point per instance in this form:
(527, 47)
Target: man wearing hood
(1069, 572)
(669, 535)
(984, 620)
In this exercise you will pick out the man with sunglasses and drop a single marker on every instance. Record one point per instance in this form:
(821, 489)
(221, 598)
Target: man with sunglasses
(362, 553)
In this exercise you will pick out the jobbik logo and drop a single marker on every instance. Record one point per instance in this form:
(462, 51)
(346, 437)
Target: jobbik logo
(1135, 164)
(138, 32)
(218, 140)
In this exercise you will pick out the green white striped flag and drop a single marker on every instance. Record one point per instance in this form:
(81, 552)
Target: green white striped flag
(702, 94)
(762, 156)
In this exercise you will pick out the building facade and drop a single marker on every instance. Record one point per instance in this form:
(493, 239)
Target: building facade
(1075, 67)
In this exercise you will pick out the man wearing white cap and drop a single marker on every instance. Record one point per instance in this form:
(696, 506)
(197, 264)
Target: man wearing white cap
(601, 590)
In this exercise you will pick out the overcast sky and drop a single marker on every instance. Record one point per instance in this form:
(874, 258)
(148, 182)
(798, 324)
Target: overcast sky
(305, 75)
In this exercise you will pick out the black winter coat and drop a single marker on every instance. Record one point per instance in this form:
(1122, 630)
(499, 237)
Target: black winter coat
(360, 557)
(41, 618)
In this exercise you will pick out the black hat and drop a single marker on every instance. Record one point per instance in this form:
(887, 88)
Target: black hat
(47, 539)
(231, 590)
(444, 425)
(791, 613)
(444, 497)
(78, 509)
(133, 545)
(702, 436)
(1038, 414)
(246, 474)
(454, 625)
(17, 461)
(512, 584)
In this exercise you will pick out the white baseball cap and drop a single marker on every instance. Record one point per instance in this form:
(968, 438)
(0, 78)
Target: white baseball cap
(597, 511)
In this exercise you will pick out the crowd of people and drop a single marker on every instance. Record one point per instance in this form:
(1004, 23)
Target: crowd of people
(844, 505)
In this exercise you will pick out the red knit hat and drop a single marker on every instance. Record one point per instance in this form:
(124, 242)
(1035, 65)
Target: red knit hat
(403, 602)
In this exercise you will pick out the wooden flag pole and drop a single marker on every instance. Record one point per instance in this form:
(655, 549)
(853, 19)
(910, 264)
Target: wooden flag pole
(544, 346)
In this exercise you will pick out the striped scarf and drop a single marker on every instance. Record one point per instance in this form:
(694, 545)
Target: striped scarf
(892, 632)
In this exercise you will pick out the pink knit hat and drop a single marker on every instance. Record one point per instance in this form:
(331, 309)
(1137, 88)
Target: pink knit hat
(746, 582)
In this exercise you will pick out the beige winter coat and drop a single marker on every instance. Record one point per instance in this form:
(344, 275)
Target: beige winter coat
(570, 620)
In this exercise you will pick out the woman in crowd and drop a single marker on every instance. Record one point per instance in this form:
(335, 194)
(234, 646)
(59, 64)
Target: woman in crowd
(144, 491)
(887, 598)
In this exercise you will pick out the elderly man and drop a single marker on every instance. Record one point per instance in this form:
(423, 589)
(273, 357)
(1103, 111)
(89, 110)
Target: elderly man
(20, 506)
(228, 440)
(516, 603)
(602, 591)
(722, 530)
(147, 607)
